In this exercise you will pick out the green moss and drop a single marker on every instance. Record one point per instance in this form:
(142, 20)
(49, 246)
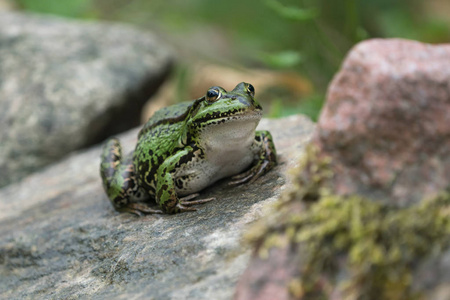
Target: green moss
(374, 246)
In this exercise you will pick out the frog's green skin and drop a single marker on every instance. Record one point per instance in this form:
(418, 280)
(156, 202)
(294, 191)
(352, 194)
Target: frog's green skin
(186, 147)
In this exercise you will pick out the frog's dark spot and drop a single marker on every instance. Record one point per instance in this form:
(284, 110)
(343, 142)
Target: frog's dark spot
(256, 105)
(160, 160)
(258, 138)
(186, 158)
(143, 165)
(171, 203)
(179, 183)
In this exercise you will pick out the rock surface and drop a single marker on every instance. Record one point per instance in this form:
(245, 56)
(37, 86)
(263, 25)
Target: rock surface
(386, 127)
(386, 122)
(60, 237)
(68, 84)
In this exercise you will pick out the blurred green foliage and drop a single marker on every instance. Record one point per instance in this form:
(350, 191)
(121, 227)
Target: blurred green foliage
(309, 106)
(310, 37)
(70, 8)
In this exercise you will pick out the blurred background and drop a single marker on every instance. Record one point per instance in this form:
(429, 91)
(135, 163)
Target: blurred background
(289, 49)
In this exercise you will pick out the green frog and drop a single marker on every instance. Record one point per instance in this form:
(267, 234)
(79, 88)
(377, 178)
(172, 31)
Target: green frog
(184, 148)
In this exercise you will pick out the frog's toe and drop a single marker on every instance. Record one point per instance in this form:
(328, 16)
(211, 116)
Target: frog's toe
(182, 208)
(200, 201)
(242, 178)
(242, 175)
(140, 209)
(262, 168)
(251, 175)
(189, 197)
(185, 203)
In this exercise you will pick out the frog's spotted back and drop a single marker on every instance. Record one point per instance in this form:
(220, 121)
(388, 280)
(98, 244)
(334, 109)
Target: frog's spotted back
(174, 113)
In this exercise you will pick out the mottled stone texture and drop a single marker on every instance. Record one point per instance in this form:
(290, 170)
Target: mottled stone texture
(386, 122)
(386, 127)
(268, 278)
(60, 238)
(68, 84)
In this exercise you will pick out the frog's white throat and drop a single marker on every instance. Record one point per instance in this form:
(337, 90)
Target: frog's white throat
(229, 136)
(227, 146)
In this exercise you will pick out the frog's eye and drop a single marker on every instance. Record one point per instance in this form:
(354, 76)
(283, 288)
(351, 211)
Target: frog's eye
(251, 90)
(213, 95)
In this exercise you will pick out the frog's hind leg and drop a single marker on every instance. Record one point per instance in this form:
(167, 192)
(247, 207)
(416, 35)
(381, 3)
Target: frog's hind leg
(119, 180)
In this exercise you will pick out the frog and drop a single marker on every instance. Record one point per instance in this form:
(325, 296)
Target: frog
(186, 147)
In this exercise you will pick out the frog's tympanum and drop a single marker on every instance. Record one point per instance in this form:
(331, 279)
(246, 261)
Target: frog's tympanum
(186, 147)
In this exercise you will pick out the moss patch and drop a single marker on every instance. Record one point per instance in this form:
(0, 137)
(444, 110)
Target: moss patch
(362, 248)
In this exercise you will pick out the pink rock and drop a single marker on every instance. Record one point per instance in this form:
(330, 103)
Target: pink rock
(386, 126)
(268, 279)
(386, 122)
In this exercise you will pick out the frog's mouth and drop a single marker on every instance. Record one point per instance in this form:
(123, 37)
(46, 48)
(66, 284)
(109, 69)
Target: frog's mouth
(246, 116)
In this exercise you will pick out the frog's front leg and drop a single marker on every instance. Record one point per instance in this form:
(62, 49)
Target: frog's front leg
(264, 148)
(166, 195)
(119, 180)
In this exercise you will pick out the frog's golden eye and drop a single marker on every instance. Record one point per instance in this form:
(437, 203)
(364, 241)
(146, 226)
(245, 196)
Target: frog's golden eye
(213, 95)
(251, 90)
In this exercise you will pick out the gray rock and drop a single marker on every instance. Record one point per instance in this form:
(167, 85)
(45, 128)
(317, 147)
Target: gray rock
(61, 238)
(68, 84)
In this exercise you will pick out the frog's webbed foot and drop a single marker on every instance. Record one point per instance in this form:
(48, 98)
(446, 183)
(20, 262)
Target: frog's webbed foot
(267, 159)
(185, 203)
(140, 209)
